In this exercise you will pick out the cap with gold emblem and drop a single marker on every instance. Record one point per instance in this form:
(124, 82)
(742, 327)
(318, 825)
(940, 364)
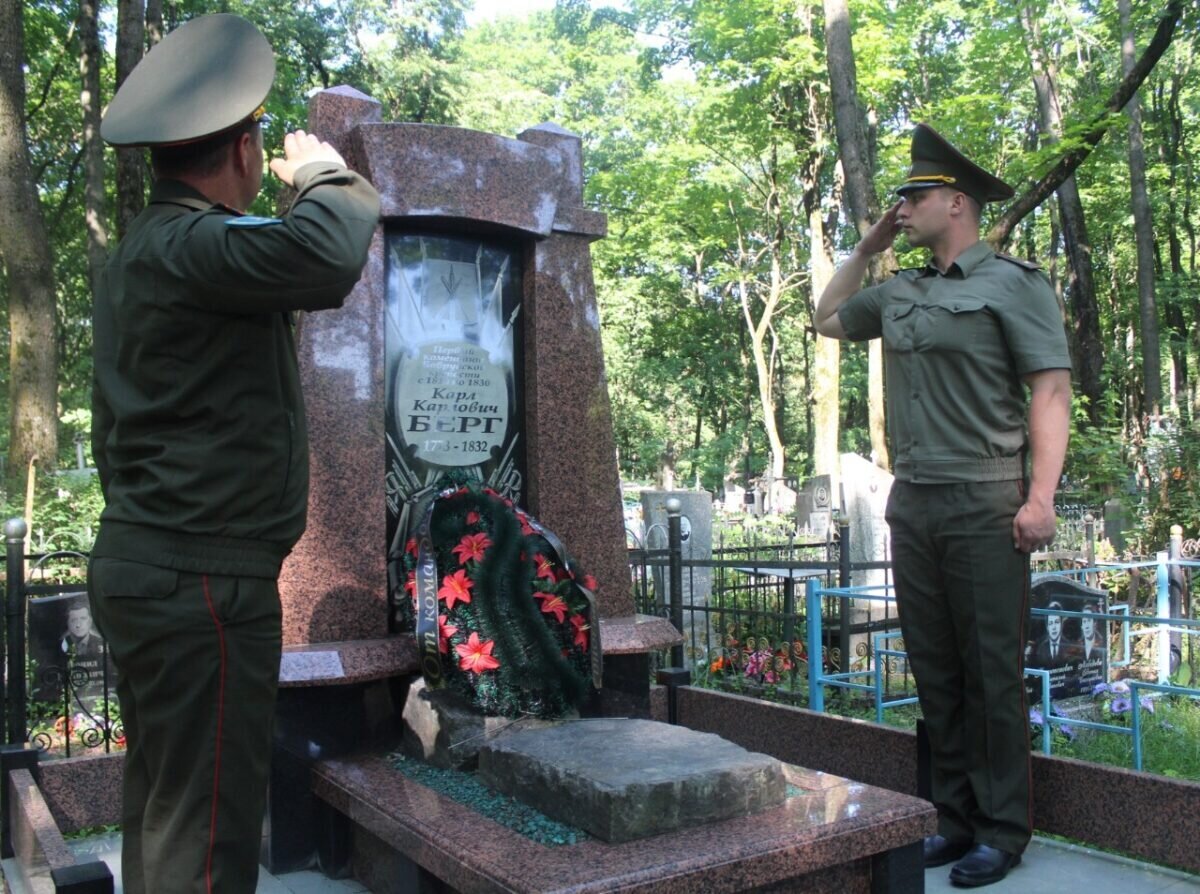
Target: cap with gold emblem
(936, 163)
(206, 76)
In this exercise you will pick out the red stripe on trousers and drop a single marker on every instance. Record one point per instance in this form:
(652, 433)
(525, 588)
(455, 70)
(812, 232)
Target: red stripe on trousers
(212, 832)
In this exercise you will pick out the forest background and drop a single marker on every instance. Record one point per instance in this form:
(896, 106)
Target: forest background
(738, 148)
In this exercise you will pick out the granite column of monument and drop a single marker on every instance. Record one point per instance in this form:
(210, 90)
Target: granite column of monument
(325, 586)
(576, 489)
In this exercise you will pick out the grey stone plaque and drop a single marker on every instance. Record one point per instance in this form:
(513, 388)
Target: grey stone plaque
(623, 779)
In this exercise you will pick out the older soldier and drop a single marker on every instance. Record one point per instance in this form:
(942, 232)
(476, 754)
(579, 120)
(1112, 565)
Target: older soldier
(199, 437)
(964, 336)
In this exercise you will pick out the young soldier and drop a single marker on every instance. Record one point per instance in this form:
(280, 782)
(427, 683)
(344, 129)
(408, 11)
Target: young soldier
(962, 335)
(199, 435)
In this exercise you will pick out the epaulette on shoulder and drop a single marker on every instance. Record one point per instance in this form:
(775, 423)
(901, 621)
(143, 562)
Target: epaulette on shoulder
(1020, 262)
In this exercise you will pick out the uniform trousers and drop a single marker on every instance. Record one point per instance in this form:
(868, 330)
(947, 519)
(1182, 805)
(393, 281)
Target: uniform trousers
(197, 660)
(962, 593)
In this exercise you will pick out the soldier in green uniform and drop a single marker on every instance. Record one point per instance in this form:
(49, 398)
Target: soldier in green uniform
(964, 337)
(198, 432)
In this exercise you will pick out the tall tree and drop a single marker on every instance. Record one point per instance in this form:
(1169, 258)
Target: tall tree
(131, 163)
(33, 362)
(1143, 230)
(1081, 284)
(855, 158)
(95, 217)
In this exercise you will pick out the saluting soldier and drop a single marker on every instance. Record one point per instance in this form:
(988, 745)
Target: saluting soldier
(964, 336)
(198, 432)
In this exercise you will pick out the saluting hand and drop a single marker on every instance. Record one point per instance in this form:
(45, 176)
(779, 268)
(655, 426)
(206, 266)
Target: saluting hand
(882, 233)
(299, 149)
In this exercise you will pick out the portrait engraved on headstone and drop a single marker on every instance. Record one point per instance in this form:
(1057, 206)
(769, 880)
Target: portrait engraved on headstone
(453, 372)
(1074, 650)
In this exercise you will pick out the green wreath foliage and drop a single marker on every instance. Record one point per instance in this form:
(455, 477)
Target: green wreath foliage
(514, 623)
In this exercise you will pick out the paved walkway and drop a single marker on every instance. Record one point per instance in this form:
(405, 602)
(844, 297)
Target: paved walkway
(1049, 867)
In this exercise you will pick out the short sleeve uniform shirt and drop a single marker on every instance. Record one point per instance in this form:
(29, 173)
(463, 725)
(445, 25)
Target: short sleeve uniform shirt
(956, 345)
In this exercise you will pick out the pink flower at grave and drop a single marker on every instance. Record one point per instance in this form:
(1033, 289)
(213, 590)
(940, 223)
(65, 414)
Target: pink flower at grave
(472, 518)
(553, 604)
(579, 622)
(476, 656)
(445, 631)
(456, 587)
(472, 546)
(545, 568)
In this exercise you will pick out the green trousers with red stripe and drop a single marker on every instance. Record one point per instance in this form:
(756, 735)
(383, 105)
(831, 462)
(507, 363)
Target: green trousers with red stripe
(962, 595)
(197, 660)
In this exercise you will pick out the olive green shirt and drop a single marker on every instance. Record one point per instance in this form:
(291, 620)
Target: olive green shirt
(198, 426)
(956, 345)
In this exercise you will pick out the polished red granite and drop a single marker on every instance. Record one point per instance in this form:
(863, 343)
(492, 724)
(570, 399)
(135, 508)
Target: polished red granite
(830, 822)
(333, 584)
(83, 791)
(358, 661)
(37, 843)
(637, 633)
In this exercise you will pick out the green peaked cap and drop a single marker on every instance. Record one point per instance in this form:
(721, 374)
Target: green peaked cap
(206, 76)
(936, 163)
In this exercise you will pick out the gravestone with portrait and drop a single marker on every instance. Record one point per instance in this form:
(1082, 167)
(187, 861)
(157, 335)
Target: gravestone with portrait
(1072, 650)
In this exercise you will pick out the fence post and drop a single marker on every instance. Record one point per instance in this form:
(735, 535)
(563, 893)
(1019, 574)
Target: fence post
(812, 612)
(844, 603)
(1175, 598)
(1163, 610)
(675, 548)
(1089, 539)
(14, 628)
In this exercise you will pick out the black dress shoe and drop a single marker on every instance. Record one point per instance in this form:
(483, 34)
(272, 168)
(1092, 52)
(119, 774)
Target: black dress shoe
(939, 851)
(982, 865)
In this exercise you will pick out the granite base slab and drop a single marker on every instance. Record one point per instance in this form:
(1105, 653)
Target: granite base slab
(621, 779)
(830, 835)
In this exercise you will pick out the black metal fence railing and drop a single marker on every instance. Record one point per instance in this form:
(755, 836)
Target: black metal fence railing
(743, 616)
(58, 688)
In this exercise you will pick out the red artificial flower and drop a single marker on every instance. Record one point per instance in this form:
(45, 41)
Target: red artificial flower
(545, 568)
(411, 547)
(456, 587)
(471, 547)
(445, 631)
(476, 656)
(590, 583)
(526, 527)
(579, 622)
(410, 585)
(553, 604)
(472, 518)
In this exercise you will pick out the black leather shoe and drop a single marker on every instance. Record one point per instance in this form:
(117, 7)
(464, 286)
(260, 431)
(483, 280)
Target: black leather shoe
(939, 851)
(981, 866)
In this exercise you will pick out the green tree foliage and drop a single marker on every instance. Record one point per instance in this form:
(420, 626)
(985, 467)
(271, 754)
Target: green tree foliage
(707, 141)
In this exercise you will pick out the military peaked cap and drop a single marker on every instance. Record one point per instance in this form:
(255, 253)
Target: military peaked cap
(936, 163)
(206, 76)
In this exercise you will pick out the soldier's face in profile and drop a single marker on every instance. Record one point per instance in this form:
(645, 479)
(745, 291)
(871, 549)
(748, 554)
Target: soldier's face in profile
(79, 622)
(923, 214)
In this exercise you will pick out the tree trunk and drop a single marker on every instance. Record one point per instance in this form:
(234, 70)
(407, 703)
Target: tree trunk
(1171, 122)
(90, 60)
(824, 381)
(131, 163)
(25, 251)
(1143, 231)
(860, 194)
(1081, 284)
